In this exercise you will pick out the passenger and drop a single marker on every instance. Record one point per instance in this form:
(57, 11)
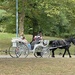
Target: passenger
(36, 39)
(25, 41)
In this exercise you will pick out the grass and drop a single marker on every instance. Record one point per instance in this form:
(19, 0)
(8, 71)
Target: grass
(37, 66)
(34, 66)
(5, 41)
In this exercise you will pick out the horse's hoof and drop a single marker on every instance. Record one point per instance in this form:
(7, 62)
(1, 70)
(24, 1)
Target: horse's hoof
(53, 56)
(70, 56)
(63, 56)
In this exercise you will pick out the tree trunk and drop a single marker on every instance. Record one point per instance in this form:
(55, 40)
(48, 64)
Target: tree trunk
(21, 19)
(21, 23)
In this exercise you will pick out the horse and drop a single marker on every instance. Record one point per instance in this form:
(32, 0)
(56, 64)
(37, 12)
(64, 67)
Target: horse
(61, 44)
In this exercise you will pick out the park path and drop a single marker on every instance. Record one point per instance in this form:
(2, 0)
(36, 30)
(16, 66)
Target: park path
(32, 56)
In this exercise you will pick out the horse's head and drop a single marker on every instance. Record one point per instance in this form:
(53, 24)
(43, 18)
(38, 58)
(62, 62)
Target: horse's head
(71, 40)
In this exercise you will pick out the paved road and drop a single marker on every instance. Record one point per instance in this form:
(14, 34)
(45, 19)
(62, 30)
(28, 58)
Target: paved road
(32, 56)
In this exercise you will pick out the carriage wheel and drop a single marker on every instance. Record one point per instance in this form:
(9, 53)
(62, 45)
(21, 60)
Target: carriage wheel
(12, 51)
(38, 51)
(20, 50)
(42, 52)
(23, 51)
(46, 52)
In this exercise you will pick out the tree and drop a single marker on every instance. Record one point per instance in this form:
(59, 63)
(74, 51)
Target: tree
(53, 17)
(21, 16)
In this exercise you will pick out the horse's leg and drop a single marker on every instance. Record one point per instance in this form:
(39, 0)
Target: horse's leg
(53, 53)
(64, 53)
(69, 53)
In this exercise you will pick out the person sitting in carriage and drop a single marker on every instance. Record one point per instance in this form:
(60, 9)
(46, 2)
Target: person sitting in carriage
(25, 41)
(36, 39)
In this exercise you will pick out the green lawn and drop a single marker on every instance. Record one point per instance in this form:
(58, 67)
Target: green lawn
(5, 41)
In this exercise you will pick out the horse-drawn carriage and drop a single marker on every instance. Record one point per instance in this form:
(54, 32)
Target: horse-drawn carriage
(18, 48)
(41, 49)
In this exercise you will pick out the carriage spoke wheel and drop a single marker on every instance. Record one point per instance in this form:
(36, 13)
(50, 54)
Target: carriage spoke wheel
(19, 51)
(46, 52)
(38, 52)
(42, 52)
(23, 51)
(12, 52)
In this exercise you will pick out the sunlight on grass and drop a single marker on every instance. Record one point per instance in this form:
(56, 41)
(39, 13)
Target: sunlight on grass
(6, 36)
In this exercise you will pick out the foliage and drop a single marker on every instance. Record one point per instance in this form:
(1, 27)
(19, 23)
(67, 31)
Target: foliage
(52, 17)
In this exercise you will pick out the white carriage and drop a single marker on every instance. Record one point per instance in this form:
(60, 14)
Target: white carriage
(19, 48)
